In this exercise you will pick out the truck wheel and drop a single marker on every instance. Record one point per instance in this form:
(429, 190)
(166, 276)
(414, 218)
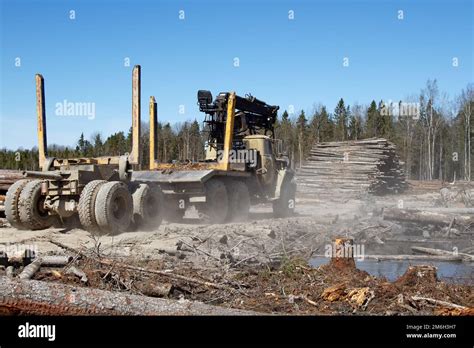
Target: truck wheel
(217, 202)
(113, 207)
(285, 205)
(239, 201)
(31, 207)
(86, 206)
(11, 203)
(147, 207)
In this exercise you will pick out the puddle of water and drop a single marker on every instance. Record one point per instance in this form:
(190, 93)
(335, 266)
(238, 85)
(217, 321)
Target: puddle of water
(453, 272)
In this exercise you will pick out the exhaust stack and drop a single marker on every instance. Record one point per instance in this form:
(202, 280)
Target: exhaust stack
(153, 131)
(134, 157)
(41, 115)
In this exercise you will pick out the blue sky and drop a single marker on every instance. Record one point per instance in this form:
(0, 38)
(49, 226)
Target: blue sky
(285, 62)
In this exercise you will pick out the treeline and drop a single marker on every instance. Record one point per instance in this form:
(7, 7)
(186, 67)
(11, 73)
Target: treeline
(182, 141)
(433, 135)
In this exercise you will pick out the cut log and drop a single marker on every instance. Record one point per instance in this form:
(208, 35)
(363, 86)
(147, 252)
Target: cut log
(33, 297)
(55, 260)
(78, 273)
(415, 257)
(442, 252)
(9, 272)
(408, 257)
(30, 270)
(458, 211)
(438, 302)
(427, 217)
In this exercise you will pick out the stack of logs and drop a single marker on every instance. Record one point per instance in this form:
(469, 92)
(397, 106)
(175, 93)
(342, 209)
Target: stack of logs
(7, 178)
(352, 167)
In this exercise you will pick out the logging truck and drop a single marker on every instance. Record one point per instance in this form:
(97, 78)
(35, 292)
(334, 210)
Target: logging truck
(106, 195)
(244, 164)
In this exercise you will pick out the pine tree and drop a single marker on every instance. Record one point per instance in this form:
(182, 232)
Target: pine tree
(355, 128)
(387, 122)
(380, 125)
(326, 126)
(80, 145)
(285, 133)
(167, 144)
(340, 118)
(301, 127)
(98, 145)
(371, 124)
(197, 150)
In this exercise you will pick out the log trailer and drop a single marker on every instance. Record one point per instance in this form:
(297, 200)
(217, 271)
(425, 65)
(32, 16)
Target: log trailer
(96, 191)
(242, 167)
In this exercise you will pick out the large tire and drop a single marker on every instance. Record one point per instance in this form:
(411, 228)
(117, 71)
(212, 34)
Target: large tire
(32, 214)
(217, 202)
(86, 206)
(113, 208)
(11, 203)
(239, 201)
(285, 205)
(147, 207)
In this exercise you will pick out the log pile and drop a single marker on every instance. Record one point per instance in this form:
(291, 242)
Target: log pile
(352, 167)
(7, 178)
